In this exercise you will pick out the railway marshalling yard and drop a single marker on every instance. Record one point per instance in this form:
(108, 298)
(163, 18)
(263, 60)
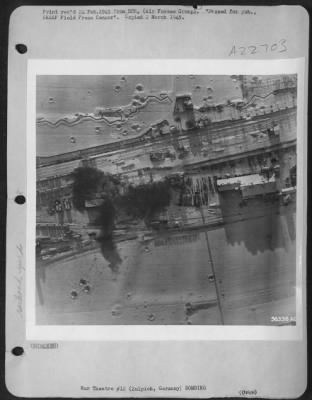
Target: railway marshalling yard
(228, 262)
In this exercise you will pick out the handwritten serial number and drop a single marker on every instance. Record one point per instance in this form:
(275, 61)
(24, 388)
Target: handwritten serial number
(277, 47)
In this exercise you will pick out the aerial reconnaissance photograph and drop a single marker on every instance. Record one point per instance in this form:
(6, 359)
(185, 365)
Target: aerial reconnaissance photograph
(166, 199)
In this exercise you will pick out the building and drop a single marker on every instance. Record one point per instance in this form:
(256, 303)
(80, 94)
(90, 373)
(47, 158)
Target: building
(183, 112)
(160, 128)
(249, 185)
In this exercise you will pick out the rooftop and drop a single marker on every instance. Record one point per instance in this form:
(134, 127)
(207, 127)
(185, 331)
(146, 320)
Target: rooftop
(246, 180)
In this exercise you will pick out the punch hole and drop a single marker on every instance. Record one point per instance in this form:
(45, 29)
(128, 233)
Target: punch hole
(195, 6)
(20, 199)
(17, 351)
(21, 48)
